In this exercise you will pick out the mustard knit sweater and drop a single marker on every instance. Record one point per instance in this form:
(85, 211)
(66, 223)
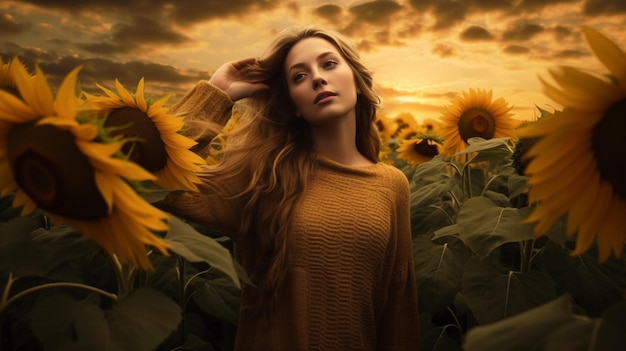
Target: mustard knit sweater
(351, 284)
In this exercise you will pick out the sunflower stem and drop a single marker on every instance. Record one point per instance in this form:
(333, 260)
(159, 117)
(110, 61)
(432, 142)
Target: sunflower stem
(122, 285)
(526, 250)
(7, 289)
(182, 287)
(56, 285)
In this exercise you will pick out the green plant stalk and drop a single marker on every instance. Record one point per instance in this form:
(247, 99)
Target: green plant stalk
(181, 295)
(56, 285)
(526, 251)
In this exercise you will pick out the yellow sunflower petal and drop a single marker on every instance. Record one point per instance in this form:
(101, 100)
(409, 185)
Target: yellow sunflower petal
(611, 55)
(65, 101)
(141, 100)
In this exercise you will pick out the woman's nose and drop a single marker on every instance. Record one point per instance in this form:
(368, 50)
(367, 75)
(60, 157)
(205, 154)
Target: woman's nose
(318, 80)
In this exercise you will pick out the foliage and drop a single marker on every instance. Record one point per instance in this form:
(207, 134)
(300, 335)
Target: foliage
(485, 282)
(60, 291)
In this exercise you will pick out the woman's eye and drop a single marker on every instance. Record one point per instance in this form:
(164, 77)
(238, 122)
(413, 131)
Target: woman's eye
(298, 77)
(330, 64)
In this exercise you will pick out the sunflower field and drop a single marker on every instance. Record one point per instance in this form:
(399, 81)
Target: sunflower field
(518, 228)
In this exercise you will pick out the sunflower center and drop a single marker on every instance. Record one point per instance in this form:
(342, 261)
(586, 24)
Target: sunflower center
(426, 148)
(476, 122)
(608, 144)
(146, 148)
(53, 172)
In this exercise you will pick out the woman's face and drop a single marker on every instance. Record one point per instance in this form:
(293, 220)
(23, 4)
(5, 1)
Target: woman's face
(320, 81)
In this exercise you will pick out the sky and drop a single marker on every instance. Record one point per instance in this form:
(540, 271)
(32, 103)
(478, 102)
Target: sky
(423, 52)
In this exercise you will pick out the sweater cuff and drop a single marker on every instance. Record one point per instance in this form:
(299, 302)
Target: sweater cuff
(204, 102)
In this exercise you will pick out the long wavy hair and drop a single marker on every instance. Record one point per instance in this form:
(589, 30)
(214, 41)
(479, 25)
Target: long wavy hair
(272, 149)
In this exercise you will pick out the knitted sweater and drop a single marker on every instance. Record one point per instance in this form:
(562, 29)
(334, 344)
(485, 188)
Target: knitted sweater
(351, 282)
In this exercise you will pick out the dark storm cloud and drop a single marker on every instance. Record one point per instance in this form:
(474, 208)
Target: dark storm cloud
(449, 13)
(522, 32)
(604, 7)
(8, 25)
(476, 33)
(375, 12)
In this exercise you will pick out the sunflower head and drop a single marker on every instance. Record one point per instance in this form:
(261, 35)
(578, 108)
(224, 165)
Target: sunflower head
(475, 114)
(152, 135)
(386, 126)
(421, 148)
(578, 149)
(51, 161)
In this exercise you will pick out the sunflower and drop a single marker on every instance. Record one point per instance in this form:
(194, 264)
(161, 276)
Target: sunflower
(50, 161)
(578, 148)
(420, 148)
(475, 114)
(153, 134)
(431, 125)
(386, 126)
(403, 121)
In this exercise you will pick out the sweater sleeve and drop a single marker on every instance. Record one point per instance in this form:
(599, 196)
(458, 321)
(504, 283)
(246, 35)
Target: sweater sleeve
(398, 327)
(205, 109)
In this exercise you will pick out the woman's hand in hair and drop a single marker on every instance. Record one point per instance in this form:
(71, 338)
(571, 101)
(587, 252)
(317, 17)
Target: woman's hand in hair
(230, 77)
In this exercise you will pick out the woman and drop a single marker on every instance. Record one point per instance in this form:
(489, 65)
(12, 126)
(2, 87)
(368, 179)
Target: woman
(321, 227)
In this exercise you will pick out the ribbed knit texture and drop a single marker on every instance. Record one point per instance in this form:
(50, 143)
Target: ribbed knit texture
(351, 285)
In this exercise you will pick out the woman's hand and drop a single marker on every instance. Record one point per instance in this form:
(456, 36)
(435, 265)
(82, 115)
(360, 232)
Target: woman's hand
(230, 77)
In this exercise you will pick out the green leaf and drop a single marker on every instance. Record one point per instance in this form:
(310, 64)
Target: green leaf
(438, 271)
(484, 226)
(523, 331)
(573, 335)
(142, 320)
(593, 286)
(219, 298)
(195, 247)
(493, 296)
(46, 253)
(612, 328)
(489, 150)
(60, 322)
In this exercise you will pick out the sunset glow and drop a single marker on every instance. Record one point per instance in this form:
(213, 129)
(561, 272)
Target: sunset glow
(423, 53)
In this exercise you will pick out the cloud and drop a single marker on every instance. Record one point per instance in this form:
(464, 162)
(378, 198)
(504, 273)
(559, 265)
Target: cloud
(475, 33)
(375, 12)
(516, 49)
(8, 25)
(329, 12)
(604, 7)
(145, 30)
(522, 32)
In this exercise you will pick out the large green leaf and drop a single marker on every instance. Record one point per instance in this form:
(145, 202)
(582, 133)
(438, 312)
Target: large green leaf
(219, 298)
(522, 332)
(612, 329)
(438, 271)
(594, 286)
(484, 226)
(489, 150)
(195, 247)
(46, 253)
(492, 295)
(60, 322)
(142, 320)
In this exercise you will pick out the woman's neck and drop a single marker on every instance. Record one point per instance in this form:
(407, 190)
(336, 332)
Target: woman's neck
(338, 143)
